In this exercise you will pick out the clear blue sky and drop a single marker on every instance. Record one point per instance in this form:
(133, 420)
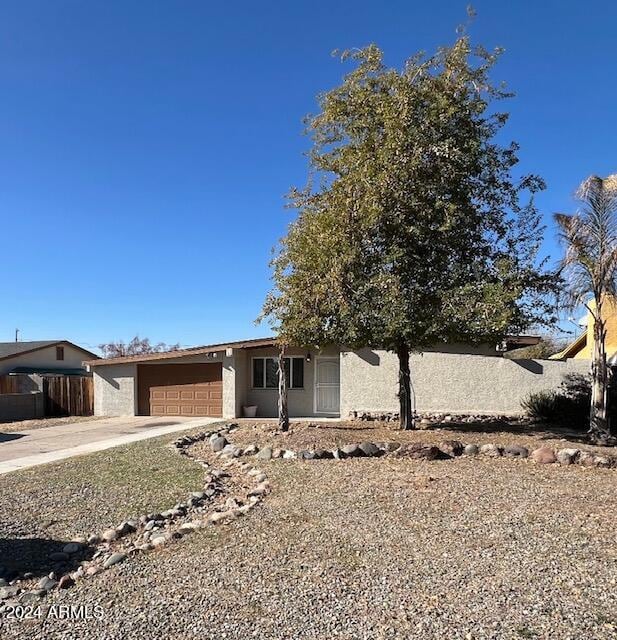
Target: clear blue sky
(145, 147)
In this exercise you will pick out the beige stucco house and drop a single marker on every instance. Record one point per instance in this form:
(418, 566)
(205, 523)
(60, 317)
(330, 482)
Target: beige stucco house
(220, 380)
(43, 356)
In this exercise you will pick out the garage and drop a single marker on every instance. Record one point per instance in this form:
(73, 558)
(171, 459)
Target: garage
(180, 390)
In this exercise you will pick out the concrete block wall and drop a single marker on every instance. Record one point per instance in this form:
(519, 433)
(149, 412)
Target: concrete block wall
(448, 382)
(21, 406)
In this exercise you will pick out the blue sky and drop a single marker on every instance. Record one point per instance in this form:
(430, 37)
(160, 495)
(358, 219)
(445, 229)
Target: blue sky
(145, 147)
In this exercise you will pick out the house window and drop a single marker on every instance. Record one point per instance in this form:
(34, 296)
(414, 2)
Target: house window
(59, 353)
(265, 373)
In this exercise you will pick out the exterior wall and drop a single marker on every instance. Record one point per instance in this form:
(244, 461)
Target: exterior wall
(73, 359)
(446, 382)
(218, 356)
(229, 386)
(115, 390)
(300, 401)
(476, 350)
(243, 379)
(609, 311)
(21, 406)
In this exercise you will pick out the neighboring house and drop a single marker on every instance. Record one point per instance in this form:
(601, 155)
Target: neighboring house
(582, 347)
(57, 357)
(219, 380)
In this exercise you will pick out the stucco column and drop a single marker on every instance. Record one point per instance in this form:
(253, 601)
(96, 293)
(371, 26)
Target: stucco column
(229, 385)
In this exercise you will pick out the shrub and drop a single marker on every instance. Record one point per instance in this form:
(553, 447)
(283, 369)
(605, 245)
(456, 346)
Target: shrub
(567, 406)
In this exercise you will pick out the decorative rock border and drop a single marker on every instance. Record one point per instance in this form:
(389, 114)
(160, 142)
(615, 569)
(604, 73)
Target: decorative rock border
(148, 531)
(444, 450)
(425, 420)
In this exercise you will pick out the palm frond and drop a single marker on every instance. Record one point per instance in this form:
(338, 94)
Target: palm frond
(590, 261)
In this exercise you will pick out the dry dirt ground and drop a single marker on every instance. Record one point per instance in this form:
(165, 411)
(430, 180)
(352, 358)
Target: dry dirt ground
(41, 423)
(373, 548)
(327, 435)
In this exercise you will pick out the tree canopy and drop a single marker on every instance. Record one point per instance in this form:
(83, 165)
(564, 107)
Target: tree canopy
(412, 229)
(136, 347)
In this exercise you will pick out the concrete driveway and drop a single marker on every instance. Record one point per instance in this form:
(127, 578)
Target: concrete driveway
(22, 449)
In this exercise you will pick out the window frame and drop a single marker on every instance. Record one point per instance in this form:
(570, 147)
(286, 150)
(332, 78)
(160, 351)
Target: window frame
(60, 353)
(264, 369)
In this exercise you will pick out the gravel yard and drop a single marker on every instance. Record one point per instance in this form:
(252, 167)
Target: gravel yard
(362, 548)
(326, 435)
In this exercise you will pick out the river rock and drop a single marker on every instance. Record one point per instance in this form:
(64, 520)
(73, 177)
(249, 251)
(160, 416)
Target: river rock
(113, 559)
(419, 451)
(567, 456)
(109, 535)
(369, 449)
(47, 583)
(265, 454)
(515, 451)
(452, 448)
(218, 443)
(544, 455)
(490, 450)
(351, 451)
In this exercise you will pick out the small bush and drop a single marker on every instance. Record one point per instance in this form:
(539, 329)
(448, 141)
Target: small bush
(540, 405)
(567, 406)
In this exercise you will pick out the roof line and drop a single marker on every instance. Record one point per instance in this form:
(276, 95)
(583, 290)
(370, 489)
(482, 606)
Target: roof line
(575, 346)
(46, 346)
(179, 353)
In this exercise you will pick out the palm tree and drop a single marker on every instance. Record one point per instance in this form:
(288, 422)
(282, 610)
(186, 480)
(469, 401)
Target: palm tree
(590, 268)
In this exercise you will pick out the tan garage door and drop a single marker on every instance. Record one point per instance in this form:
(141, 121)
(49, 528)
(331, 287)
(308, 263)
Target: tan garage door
(180, 390)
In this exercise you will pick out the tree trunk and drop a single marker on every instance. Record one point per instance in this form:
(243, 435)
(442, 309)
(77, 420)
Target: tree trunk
(598, 417)
(404, 388)
(283, 410)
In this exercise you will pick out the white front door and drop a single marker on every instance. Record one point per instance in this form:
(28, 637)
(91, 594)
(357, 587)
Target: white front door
(327, 385)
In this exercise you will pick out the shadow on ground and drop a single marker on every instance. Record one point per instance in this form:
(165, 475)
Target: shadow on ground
(157, 424)
(7, 437)
(541, 431)
(36, 556)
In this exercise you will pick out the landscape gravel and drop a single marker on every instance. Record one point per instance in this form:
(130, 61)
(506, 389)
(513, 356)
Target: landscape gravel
(376, 548)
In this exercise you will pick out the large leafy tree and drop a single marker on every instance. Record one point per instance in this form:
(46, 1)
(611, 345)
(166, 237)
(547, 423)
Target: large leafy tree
(590, 267)
(411, 230)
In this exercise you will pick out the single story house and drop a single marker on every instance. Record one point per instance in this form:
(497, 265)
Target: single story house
(220, 380)
(53, 357)
(25, 371)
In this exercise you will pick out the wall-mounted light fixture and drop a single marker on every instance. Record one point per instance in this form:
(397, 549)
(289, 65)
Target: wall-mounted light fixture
(308, 356)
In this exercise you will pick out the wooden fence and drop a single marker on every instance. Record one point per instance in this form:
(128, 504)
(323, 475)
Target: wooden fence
(9, 384)
(59, 395)
(68, 395)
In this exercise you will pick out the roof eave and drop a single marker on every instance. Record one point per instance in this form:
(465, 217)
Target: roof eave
(180, 353)
(47, 346)
(572, 349)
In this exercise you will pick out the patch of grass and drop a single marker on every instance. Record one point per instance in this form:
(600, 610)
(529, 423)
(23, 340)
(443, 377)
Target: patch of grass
(85, 494)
